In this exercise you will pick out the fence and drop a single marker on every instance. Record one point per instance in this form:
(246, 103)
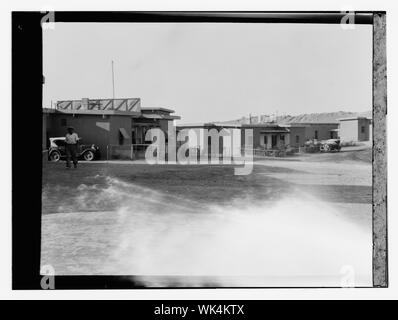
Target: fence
(137, 152)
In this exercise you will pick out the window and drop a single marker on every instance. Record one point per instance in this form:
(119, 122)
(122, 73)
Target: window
(60, 143)
(297, 139)
(265, 140)
(63, 122)
(363, 129)
(282, 137)
(316, 134)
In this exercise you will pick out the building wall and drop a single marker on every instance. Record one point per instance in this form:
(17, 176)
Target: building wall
(116, 123)
(163, 124)
(363, 129)
(348, 130)
(265, 140)
(371, 129)
(201, 138)
(259, 141)
(120, 146)
(44, 132)
(302, 132)
(323, 130)
(94, 129)
(355, 130)
(297, 136)
(256, 137)
(46, 127)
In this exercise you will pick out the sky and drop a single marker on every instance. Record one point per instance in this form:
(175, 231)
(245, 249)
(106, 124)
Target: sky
(212, 72)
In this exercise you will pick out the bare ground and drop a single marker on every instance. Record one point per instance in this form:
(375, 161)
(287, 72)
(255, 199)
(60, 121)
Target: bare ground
(81, 230)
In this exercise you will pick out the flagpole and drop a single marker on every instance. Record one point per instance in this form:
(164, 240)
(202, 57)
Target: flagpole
(113, 82)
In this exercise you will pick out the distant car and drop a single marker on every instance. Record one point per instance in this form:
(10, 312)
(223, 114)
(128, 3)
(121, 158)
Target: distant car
(312, 146)
(57, 150)
(331, 145)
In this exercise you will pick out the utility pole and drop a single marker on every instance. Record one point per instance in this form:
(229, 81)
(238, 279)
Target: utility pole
(113, 82)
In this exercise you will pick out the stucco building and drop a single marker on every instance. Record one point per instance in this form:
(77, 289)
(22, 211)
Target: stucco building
(355, 129)
(267, 136)
(105, 122)
(302, 132)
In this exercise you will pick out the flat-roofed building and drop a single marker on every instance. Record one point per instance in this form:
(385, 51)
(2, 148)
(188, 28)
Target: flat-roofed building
(105, 122)
(206, 136)
(268, 136)
(302, 132)
(355, 129)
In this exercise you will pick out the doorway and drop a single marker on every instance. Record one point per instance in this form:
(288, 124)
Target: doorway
(274, 139)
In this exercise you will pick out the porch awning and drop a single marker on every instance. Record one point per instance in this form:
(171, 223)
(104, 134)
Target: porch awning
(124, 133)
(152, 116)
(275, 131)
(160, 117)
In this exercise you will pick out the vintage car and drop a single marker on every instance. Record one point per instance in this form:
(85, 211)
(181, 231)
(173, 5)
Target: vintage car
(57, 150)
(312, 146)
(330, 145)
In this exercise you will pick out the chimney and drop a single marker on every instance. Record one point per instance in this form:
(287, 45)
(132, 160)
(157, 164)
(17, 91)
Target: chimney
(85, 103)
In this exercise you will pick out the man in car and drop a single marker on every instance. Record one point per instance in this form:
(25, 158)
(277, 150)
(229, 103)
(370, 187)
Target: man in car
(71, 141)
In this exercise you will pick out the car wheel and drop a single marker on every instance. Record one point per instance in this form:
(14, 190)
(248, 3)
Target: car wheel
(55, 156)
(88, 156)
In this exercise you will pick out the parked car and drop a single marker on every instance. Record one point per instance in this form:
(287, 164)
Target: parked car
(57, 150)
(331, 145)
(312, 146)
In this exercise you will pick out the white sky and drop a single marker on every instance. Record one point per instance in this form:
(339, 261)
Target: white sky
(213, 72)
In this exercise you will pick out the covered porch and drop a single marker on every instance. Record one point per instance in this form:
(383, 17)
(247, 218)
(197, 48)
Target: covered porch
(273, 138)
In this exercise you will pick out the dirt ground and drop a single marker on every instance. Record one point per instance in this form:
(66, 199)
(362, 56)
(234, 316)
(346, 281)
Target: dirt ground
(334, 177)
(84, 210)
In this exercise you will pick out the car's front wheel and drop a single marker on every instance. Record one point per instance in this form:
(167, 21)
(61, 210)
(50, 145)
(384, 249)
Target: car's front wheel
(55, 156)
(88, 155)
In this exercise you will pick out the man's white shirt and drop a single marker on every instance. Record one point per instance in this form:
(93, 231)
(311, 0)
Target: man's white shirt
(71, 138)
